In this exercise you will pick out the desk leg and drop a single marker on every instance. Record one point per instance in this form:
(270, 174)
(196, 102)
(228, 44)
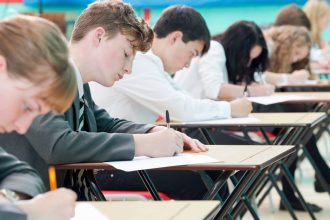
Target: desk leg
(236, 194)
(287, 175)
(218, 183)
(149, 184)
(318, 172)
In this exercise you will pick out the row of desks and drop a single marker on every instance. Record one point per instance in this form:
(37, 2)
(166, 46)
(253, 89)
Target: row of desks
(254, 159)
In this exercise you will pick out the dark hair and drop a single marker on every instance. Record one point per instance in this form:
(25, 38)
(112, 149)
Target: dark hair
(237, 41)
(184, 19)
(293, 15)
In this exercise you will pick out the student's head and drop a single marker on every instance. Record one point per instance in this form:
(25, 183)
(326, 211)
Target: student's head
(318, 12)
(35, 74)
(184, 35)
(245, 49)
(112, 33)
(292, 15)
(290, 44)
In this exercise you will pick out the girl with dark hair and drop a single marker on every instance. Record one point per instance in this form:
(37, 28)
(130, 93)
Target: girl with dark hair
(228, 69)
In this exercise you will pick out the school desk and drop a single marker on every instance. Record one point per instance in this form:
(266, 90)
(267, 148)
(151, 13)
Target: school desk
(252, 159)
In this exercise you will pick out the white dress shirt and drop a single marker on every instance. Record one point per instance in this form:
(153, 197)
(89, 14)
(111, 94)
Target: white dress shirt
(148, 91)
(205, 75)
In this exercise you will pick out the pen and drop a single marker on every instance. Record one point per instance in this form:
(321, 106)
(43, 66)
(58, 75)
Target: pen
(52, 178)
(245, 92)
(167, 119)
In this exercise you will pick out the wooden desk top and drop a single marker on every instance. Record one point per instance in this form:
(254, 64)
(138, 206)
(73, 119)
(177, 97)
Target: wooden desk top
(305, 86)
(142, 210)
(231, 157)
(299, 119)
(317, 96)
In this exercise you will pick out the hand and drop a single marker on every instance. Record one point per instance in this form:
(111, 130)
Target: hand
(298, 76)
(240, 108)
(54, 205)
(261, 89)
(156, 129)
(163, 143)
(192, 144)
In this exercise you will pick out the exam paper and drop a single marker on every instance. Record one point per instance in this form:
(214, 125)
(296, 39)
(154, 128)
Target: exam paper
(227, 121)
(307, 82)
(144, 163)
(87, 212)
(273, 99)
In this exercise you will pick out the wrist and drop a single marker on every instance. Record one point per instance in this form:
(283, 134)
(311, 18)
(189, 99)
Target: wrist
(9, 195)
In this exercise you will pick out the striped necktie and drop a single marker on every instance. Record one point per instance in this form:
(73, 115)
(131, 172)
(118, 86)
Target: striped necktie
(81, 179)
(81, 113)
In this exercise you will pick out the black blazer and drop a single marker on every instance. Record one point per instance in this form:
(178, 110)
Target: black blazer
(54, 139)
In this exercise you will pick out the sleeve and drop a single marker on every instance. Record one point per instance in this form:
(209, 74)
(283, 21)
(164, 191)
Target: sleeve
(11, 211)
(105, 123)
(54, 140)
(149, 88)
(211, 68)
(18, 176)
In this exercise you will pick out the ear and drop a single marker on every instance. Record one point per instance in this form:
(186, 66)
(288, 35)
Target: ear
(3, 64)
(98, 34)
(174, 36)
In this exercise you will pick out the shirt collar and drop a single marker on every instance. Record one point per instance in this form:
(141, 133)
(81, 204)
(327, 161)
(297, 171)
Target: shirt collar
(79, 81)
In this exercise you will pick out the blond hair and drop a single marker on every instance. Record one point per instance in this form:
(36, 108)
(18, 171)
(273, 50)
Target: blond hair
(115, 17)
(315, 11)
(35, 50)
(285, 38)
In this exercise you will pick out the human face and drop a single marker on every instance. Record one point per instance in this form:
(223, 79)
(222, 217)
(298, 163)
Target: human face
(254, 53)
(18, 104)
(114, 59)
(179, 54)
(299, 53)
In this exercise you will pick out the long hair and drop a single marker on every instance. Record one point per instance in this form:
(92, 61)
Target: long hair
(316, 10)
(237, 41)
(285, 39)
(293, 15)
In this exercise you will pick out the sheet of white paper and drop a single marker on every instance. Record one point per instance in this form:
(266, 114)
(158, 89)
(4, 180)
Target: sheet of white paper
(87, 212)
(307, 82)
(243, 120)
(273, 99)
(144, 163)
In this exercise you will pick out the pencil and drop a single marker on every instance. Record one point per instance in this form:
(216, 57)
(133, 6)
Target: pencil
(52, 178)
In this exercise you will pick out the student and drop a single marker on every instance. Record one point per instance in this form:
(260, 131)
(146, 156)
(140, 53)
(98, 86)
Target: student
(230, 64)
(287, 45)
(318, 13)
(35, 77)
(292, 14)
(180, 35)
(111, 33)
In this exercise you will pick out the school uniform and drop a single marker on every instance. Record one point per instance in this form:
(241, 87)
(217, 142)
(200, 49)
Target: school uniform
(149, 90)
(55, 139)
(206, 74)
(19, 177)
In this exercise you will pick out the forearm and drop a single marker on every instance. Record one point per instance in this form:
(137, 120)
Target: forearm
(230, 92)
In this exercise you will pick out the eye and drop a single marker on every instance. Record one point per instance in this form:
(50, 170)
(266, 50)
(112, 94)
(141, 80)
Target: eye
(27, 108)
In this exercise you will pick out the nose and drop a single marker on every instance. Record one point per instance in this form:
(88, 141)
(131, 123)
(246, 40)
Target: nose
(23, 123)
(128, 67)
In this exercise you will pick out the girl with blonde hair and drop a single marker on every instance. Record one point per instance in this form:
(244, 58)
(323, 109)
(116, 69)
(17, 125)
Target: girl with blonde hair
(318, 12)
(287, 45)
